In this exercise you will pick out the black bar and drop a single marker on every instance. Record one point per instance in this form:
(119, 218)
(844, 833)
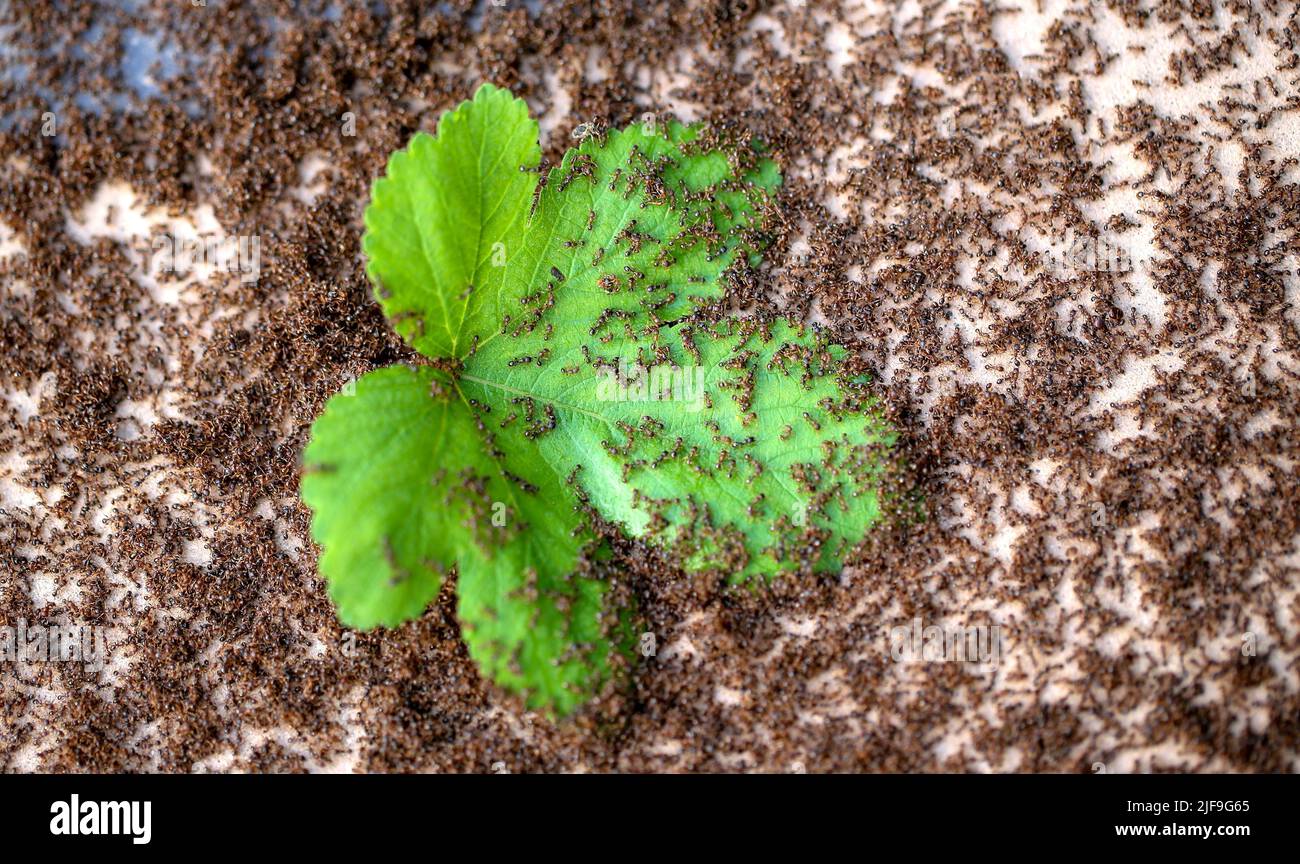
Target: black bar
(536, 814)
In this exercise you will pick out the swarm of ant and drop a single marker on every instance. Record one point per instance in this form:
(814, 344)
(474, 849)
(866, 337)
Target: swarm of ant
(1134, 540)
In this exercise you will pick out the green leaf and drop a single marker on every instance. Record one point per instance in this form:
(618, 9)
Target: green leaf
(403, 485)
(744, 450)
(443, 219)
(368, 474)
(585, 367)
(758, 458)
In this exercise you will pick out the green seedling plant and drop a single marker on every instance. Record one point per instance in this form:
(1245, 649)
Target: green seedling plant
(581, 377)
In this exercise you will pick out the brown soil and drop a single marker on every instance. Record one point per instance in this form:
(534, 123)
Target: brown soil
(1130, 540)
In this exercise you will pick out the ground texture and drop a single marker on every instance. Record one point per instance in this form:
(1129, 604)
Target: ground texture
(1063, 234)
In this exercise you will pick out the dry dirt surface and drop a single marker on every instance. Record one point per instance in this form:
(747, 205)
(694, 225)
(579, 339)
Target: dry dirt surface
(1062, 234)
